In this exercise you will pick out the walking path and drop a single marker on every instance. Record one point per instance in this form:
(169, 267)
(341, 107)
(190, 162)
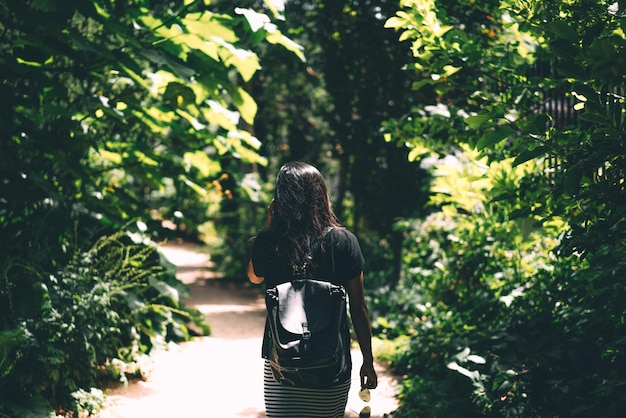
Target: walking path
(220, 376)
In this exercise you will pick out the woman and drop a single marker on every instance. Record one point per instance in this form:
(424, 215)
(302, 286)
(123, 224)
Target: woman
(300, 222)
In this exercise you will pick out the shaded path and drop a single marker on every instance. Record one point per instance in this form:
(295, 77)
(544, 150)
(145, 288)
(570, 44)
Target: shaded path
(220, 376)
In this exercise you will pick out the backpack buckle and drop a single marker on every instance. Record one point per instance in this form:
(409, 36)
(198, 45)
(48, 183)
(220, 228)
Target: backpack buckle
(306, 334)
(306, 338)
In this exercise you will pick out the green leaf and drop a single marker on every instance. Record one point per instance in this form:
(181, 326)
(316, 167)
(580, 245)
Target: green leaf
(166, 291)
(276, 7)
(255, 20)
(162, 58)
(179, 95)
(572, 181)
(417, 151)
(145, 159)
(201, 161)
(9, 339)
(563, 30)
(193, 41)
(35, 406)
(245, 104)
(563, 48)
(113, 157)
(245, 61)
(587, 91)
(529, 155)
(218, 115)
(592, 33)
(594, 107)
(540, 123)
(493, 137)
(208, 26)
(594, 118)
(278, 38)
(478, 120)
(573, 70)
(401, 20)
(198, 189)
(421, 83)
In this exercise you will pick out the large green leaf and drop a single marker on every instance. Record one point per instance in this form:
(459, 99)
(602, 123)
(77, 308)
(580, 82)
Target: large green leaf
(9, 340)
(245, 61)
(564, 49)
(564, 30)
(210, 26)
(245, 104)
(35, 406)
(528, 155)
(200, 160)
(276, 37)
(493, 137)
(477, 121)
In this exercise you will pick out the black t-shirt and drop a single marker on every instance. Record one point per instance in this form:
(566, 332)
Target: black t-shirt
(341, 261)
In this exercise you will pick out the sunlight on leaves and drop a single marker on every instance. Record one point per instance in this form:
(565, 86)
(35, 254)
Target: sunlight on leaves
(206, 25)
(246, 62)
(245, 104)
(277, 7)
(278, 38)
(256, 20)
(203, 163)
(144, 159)
(218, 115)
(112, 157)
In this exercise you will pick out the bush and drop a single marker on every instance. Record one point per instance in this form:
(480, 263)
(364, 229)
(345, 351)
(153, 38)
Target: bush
(523, 319)
(472, 272)
(233, 221)
(113, 302)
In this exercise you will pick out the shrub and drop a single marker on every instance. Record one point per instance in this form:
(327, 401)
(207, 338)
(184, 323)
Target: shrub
(112, 302)
(473, 270)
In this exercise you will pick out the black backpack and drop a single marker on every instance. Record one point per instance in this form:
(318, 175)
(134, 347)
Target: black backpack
(309, 337)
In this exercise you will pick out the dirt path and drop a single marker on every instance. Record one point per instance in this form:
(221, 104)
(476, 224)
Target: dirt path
(219, 376)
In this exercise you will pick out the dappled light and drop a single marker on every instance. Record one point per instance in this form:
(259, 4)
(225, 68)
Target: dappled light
(475, 149)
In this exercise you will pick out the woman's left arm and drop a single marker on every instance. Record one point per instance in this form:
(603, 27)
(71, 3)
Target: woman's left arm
(363, 330)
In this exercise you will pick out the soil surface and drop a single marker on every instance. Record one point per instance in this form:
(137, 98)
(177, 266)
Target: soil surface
(220, 376)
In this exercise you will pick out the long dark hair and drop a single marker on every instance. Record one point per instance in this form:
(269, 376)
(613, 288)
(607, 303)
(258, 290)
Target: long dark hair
(301, 213)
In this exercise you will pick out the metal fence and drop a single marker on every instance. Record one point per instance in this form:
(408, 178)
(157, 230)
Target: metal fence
(558, 103)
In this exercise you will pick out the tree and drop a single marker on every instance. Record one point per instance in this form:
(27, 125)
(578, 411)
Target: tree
(328, 111)
(107, 107)
(480, 300)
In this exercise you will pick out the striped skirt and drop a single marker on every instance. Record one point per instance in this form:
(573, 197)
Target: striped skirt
(289, 402)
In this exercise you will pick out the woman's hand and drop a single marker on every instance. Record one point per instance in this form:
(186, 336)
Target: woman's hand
(369, 379)
(361, 322)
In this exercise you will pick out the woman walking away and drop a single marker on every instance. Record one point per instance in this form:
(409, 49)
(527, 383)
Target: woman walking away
(302, 238)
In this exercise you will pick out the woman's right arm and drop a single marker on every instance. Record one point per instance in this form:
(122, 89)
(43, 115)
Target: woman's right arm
(252, 275)
(361, 322)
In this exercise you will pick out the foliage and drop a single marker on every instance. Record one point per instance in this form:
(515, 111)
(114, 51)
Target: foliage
(474, 265)
(518, 304)
(88, 403)
(122, 98)
(466, 54)
(111, 112)
(233, 222)
(361, 65)
(327, 111)
(113, 302)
